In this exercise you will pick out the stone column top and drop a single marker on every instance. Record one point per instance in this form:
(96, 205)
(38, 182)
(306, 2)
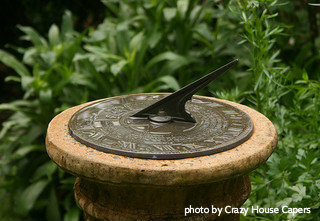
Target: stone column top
(86, 162)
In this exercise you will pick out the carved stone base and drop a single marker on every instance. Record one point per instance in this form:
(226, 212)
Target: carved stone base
(101, 201)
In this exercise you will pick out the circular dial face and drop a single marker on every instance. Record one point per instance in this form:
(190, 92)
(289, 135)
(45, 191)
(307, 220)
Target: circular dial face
(108, 127)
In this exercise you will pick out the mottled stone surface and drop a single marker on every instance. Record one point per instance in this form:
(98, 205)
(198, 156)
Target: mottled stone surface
(142, 187)
(118, 202)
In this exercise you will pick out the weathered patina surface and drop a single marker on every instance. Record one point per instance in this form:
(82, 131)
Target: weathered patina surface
(107, 126)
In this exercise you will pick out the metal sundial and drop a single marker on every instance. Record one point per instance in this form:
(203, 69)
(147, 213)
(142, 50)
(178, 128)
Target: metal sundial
(162, 126)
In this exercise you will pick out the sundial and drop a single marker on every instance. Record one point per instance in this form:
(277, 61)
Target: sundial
(151, 156)
(163, 126)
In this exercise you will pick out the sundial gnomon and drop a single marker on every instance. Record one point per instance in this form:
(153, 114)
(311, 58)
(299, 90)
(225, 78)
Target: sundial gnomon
(162, 126)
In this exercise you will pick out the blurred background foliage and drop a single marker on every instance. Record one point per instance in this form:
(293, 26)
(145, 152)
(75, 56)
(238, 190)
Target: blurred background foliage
(116, 47)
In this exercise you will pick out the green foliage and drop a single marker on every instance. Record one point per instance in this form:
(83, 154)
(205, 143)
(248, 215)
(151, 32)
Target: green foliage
(32, 185)
(145, 46)
(291, 175)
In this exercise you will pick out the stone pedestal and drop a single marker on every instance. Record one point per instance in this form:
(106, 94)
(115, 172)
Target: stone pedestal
(113, 187)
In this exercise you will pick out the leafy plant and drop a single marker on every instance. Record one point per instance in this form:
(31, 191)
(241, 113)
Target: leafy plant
(31, 185)
(290, 177)
(154, 44)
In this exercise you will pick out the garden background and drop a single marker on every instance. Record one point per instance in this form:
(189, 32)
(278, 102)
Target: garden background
(55, 59)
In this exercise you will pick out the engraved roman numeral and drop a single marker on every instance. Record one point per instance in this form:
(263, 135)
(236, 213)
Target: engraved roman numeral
(233, 114)
(229, 112)
(165, 147)
(221, 139)
(214, 105)
(96, 136)
(97, 124)
(127, 145)
(214, 141)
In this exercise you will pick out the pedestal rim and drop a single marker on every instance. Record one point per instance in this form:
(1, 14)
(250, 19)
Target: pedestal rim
(87, 162)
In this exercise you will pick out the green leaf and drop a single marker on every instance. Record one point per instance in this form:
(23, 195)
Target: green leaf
(136, 41)
(52, 210)
(117, 67)
(23, 151)
(314, 4)
(54, 35)
(9, 106)
(26, 81)
(13, 63)
(67, 25)
(45, 96)
(101, 52)
(285, 202)
(72, 215)
(29, 196)
(196, 13)
(12, 78)
(29, 56)
(33, 36)
(182, 6)
(33, 133)
(154, 38)
(46, 169)
(300, 189)
(169, 13)
(15, 105)
(7, 125)
(171, 56)
(170, 81)
(68, 181)
(203, 30)
(305, 75)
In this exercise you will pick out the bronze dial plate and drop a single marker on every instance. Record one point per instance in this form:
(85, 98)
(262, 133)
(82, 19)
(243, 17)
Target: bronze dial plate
(108, 127)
